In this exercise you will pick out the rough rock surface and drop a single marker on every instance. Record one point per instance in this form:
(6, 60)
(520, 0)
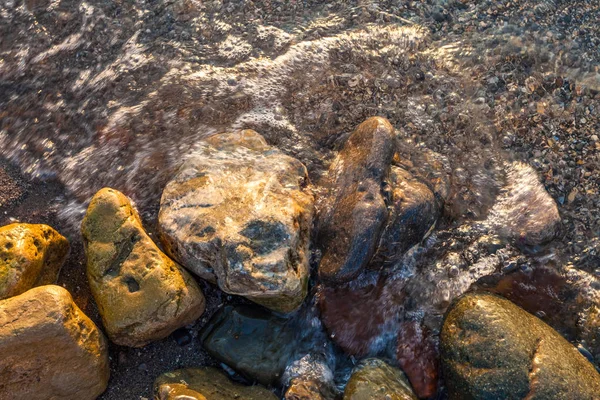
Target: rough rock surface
(30, 255)
(205, 384)
(493, 349)
(353, 211)
(375, 379)
(49, 349)
(239, 213)
(252, 341)
(141, 294)
(413, 211)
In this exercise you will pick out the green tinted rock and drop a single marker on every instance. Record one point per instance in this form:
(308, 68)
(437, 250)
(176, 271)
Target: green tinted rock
(205, 384)
(251, 340)
(374, 379)
(492, 349)
(30, 255)
(142, 295)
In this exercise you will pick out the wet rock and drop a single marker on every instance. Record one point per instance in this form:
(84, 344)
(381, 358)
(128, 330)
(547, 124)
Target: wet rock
(238, 213)
(375, 379)
(353, 212)
(205, 384)
(49, 349)
(310, 378)
(30, 255)
(413, 212)
(417, 355)
(251, 340)
(141, 294)
(493, 349)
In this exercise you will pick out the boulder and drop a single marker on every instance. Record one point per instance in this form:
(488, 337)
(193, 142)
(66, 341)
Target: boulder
(142, 295)
(413, 212)
(492, 349)
(374, 379)
(250, 340)
(239, 213)
(30, 255)
(49, 349)
(353, 210)
(205, 384)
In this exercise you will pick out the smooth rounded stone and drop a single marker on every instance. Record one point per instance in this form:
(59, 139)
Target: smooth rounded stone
(310, 378)
(49, 349)
(239, 213)
(492, 349)
(142, 295)
(374, 379)
(205, 384)
(353, 211)
(30, 255)
(413, 212)
(252, 341)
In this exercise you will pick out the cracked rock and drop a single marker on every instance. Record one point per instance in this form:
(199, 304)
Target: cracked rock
(30, 255)
(142, 295)
(239, 213)
(49, 349)
(492, 349)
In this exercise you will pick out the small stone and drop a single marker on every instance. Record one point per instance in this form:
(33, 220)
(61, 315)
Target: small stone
(375, 379)
(251, 340)
(239, 213)
(141, 294)
(182, 336)
(205, 384)
(353, 212)
(49, 349)
(30, 255)
(493, 349)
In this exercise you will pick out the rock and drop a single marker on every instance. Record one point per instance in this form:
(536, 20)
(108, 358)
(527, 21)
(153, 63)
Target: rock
(310, 378)
(239, 213)
(141, 294)
(493, 349)
(30, 255)
(205, 384)
(353, 212)
(49, 349)
(374, 379)
(251, 340)
(413, 212)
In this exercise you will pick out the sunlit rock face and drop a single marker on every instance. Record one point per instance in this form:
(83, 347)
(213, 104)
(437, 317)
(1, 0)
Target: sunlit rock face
(49, 349)
(494, 349)
(376, 379)
(30, 255)
(142, 295)
(205, 384)
(239, 212)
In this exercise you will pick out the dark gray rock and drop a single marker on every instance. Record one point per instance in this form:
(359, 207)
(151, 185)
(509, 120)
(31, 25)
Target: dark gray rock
(492, 349)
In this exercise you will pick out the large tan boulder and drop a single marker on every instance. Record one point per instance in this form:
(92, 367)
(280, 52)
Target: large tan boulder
(49, 349)
(142, 295)
(239, 213)
(30, 255)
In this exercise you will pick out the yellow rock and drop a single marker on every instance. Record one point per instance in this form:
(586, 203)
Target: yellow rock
(49, 349)
(142, 295)
(30, 255)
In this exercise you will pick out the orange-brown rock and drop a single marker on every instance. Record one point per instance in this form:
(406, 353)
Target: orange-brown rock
(30, 255)
(49, 349)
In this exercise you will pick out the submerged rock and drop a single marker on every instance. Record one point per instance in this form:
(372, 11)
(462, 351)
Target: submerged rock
(141, 294)
(353, 212)
(239, 213)
(493, 349)
(374, 379)
(30, 255)
(205, 384)
(310, 378)
(49, 349)
(252, 341)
